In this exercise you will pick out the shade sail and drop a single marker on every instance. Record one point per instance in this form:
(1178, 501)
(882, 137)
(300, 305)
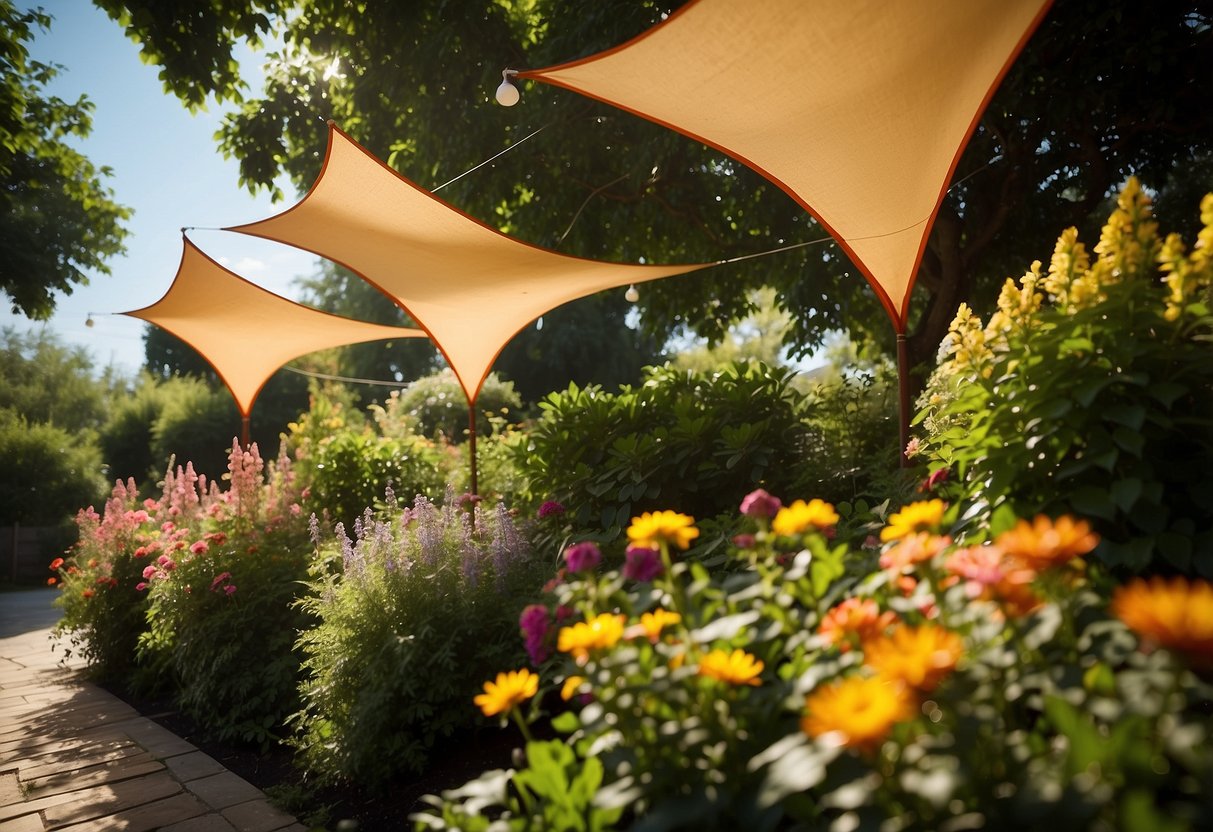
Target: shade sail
(858, 109)
(469, 286)
(245, 332)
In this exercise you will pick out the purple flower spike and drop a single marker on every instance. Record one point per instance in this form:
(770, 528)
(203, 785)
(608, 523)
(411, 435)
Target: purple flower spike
(582, 557)
(642, 563)
(760, 504)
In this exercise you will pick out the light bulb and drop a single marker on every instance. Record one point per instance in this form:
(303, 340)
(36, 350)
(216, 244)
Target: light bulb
(631, 295)
(507, 94)
(89, 322)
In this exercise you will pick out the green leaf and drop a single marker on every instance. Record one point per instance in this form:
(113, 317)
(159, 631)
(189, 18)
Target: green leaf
(1125, 492)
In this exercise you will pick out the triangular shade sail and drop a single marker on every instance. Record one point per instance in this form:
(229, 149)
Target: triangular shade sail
(858, 109)
(469, 286)
(245, 332)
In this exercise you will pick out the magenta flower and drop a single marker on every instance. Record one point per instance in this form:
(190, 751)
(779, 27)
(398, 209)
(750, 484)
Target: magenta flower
(142, 585)
(534, 624)
(230, 589)
(148, 572)
(759, 503)
(199, 548)
(220, 578)
(582, 557)
(642, 563)
(550, 508)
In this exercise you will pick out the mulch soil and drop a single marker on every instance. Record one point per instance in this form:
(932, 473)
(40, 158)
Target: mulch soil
(346, 808)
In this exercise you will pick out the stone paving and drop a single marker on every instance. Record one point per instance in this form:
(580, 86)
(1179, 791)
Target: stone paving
(74, 757)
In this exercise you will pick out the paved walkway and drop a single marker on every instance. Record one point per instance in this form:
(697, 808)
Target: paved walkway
(74, 757)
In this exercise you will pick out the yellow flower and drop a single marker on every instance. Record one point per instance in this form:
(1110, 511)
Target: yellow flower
(510, 689)
(918, 656)
(1174, 613)
(736, 668)
(799, 517)
(1044, 542)
(863, 710)
(653, 528)
(1070, 261)
(599, 633)
(569, 689)
(656, 621)
(966, 344)
(1129, 239)
(923, 516)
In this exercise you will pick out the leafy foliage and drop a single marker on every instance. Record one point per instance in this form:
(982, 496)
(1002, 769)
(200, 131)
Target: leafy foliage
(1099, 401)
(60, 219)
(436, 406)
(694, 441)
(411, 613)
(812, 687)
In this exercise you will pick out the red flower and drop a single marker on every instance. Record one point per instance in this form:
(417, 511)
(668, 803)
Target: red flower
(56, 563)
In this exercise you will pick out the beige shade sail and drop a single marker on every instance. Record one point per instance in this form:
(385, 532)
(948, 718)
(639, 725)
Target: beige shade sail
(245, 332)
(858, 109)
(469, 286)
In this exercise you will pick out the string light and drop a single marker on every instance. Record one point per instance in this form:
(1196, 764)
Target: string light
(507, 94)
(631, 295)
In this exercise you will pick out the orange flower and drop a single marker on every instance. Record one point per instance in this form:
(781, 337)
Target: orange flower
(918, 656)
(1044, 543)
(855, 620)
(923, 516)
(599, 633)
(861, 709)
(1175, 613)
(736, 668)
(914, 548)
(510, 690)
(654, 622)
(653, 528)
(88, 593)
(569, 689)
(799, 517)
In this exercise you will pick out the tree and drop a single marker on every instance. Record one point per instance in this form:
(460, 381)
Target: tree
(1103, 89)
(59, 217)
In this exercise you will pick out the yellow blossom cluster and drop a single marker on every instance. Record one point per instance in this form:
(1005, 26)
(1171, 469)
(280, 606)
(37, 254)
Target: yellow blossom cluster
(966, 345)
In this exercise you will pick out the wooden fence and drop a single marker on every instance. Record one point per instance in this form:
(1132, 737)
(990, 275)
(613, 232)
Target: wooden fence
(26, 552)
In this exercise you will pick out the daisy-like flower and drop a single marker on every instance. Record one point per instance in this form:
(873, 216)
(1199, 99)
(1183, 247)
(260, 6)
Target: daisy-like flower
(923, 516)
(918, 656)
(652, 623)
(991, 576)
(653, 528)
(509, 691)
(736, 668)
(861, 710)
(815, 515)
(854, 621)
(1174, 613)
(1043, 543)
(912, 549)
(599, 633)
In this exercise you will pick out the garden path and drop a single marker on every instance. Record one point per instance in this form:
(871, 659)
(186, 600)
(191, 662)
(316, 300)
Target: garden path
(74, 757)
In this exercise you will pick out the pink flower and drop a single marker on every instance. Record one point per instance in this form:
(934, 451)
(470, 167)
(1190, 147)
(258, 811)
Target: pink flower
(582, 557)
(759, 503)
(149, 572)
(642, 563)
(550, 508)
(199, 547)
(534, 625)
(141, 552)
(230, 590)
(139, 587)
(296, 509)
(140, 516)
(220, 578)
(743, 541)
(935, 479)
(218, 538)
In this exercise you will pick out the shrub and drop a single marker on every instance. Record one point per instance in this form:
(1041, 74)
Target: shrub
(691, 441)
(411, 614)
(47, 472)
(1099, 401)
(926, 684)
(435, 406)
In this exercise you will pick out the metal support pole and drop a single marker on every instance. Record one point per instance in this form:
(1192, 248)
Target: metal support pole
(475, 489)
(903, 396)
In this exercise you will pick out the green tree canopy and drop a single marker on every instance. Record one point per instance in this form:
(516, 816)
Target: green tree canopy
(59, 217)
(1103, 89)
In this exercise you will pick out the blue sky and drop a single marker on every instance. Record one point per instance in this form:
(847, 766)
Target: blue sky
(166, 166)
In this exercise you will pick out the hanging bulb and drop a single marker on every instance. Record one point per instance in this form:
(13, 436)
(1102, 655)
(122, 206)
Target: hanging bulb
(88, 322)
(507, 93)
(631, 295)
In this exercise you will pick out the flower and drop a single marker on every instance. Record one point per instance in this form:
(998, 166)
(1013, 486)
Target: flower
(918, 656)
(654, 622)
(569, 689)
(760, 504)
(507, 692)
(221, 578)
(599, 633)
(52, 581)
(925, 515)
(534, 625)
(199, 547)
(913, 549)
(653, 528)
(1174, 613)
(855, 620)
(936, 477)
(228, 590)
(56, 563)
(736, 668)
(990, 575)
(641, 563)
(799, 517)
(1044, 543)
(550, 508)
(139, 587)
(861, 709)
(88, 593)
(582, 557)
